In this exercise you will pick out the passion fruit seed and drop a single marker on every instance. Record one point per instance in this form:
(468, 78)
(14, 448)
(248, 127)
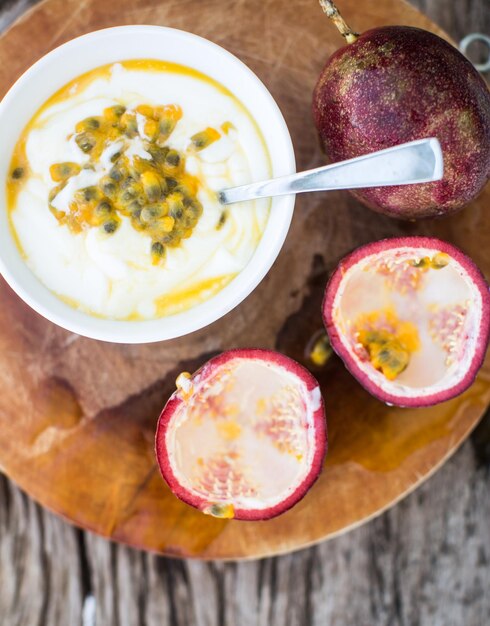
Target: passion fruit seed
(157, 248)
(116, 174)
(86, 142)
(170, 240)
(388, 341)
(18, 173)
(62, 171)
(129, 181)
(103, 208)
(128, 124)
(112, 114)
(319, 349)
(151, 185)
(175, 203)
(183, 382)
(422, 263)
(205, 138)
(89, 193)
(150, 214)
(90, 123)
(195, 209)
(173, 158)
(152, 129)
(146, 110)
(108, 186)
(128, 195)
(110, 226)
(188, 220)
(135, 210)
(157, 252)
(176, 211)
(440, 260)
(437, 262)
(171, 183)
(222, 219)
(166, 127)
(158, 154)
(223, 511)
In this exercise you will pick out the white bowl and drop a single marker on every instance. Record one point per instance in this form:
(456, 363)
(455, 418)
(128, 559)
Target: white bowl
(132, 42)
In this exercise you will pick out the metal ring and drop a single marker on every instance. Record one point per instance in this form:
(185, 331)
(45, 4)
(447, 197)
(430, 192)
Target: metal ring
(469, 39)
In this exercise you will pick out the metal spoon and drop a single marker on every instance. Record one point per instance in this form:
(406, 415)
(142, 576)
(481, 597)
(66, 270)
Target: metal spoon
(407, 164)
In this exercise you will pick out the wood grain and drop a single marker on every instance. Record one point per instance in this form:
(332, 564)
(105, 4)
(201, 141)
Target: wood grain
(424, 562)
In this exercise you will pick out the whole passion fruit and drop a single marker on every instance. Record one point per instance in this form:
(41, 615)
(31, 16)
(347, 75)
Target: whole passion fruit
(410, 318)
(244, 437)
(394, 84)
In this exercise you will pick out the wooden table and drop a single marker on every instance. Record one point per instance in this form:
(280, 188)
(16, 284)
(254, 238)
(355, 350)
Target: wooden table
(426, 561)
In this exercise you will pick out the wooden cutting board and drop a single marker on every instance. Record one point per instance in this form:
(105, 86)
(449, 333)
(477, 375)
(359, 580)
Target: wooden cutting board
(77, 417)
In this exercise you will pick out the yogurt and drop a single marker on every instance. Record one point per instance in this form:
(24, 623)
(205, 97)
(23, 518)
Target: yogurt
(113, 275)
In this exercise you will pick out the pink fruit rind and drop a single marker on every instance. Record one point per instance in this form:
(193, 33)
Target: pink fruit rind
(318, 420)
(408, 242)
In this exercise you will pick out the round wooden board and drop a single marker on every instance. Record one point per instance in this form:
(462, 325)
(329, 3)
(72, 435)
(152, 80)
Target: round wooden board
(77, 417)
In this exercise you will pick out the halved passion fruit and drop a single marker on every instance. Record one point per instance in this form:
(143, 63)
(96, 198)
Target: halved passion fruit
(244, 437)
(410, 318)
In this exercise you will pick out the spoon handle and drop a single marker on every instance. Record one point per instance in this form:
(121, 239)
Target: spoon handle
(417, 161)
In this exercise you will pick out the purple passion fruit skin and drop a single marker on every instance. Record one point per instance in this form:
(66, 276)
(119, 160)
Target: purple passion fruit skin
(248, 424)
(410, 318)
(396, 84)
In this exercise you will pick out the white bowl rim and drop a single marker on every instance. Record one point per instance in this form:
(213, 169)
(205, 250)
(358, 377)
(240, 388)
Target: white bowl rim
(204, 314)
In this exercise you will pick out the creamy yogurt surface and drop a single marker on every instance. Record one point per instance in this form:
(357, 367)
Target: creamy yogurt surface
(112, 274)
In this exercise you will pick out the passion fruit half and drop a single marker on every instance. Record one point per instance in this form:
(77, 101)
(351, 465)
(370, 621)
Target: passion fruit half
(410, 318)
(244, 437)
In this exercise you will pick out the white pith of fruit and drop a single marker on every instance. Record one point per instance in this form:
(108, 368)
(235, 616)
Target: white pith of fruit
(443, 304)
(244, 435)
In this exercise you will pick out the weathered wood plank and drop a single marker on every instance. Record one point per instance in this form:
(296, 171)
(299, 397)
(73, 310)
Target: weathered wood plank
(457, 18)
(425, 562)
